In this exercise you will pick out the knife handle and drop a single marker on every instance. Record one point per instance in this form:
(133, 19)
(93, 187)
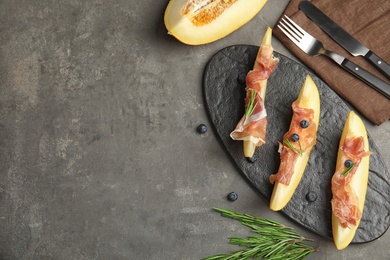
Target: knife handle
(373, 81)
(379, 63)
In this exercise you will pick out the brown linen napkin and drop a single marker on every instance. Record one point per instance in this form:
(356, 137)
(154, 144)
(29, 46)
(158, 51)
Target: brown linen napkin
(368, 22)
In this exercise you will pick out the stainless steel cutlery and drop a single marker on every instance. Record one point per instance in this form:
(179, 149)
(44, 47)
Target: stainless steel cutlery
(314, 47)
(347, 41)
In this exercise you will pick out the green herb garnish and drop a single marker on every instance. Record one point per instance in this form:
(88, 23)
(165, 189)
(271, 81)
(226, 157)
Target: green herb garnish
(275, 240)
(251, 105)
(346, 171)
(288, 143)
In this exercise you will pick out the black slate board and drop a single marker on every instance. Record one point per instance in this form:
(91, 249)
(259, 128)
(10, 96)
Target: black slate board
(223, 88)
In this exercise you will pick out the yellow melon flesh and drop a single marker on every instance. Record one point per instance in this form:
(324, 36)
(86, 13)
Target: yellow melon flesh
(281, 195)
(197, 22)
(354, 127)
(250, 147)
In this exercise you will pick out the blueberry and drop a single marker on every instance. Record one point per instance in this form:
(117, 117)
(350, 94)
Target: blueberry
(232, 196)
(241, 79)
(348, 163)
(202, 128)
(311, 196)
(304, 123)
(294, 137)
(251, 159)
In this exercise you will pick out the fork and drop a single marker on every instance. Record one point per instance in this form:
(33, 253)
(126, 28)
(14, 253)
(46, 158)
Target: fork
(314, 47)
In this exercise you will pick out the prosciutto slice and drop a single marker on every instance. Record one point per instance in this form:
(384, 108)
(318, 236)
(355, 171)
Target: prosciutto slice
(345, 203)
(253, 127)
(307, 138)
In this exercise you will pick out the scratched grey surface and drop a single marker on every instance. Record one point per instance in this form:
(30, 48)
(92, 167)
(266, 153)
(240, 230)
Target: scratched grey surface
(98, 150)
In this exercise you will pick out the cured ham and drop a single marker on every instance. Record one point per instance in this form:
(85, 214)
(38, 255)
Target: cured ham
(349, 182)
(291, 149)
(297, 144)
(345, 203)
(252, 126)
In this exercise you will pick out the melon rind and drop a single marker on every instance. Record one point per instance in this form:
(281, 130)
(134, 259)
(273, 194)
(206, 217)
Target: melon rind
(241, 12)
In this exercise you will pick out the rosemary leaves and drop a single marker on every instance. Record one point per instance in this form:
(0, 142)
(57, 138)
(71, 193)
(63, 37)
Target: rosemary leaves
(347, 170)
(288, 143)
(274, 240)
(251, 105)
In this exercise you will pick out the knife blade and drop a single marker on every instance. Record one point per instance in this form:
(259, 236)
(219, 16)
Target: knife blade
(343, 38)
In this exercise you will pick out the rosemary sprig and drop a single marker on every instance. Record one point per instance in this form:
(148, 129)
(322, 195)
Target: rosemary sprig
(346, 171)
(251, 105)
(288, 143)
(275, 240)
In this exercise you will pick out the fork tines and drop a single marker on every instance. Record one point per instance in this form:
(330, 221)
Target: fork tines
(292, 30)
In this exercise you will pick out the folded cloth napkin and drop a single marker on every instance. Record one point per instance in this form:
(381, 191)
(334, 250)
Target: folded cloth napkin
(368, 22)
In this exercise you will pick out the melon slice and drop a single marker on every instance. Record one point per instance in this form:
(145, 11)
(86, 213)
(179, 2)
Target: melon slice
(249, 146)
(354, 127)
(308, 98)
(196, 22)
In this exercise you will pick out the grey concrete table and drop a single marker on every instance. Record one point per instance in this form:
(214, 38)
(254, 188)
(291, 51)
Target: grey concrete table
(98, 150)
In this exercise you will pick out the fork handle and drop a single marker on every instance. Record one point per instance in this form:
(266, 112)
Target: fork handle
(375, 82)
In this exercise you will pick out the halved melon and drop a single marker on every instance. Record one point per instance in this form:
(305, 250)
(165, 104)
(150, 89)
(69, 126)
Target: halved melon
(354, 127)
(197, 22)
(308, 98)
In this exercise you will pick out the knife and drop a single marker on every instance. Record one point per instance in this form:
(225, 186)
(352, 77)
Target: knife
(343, 38)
